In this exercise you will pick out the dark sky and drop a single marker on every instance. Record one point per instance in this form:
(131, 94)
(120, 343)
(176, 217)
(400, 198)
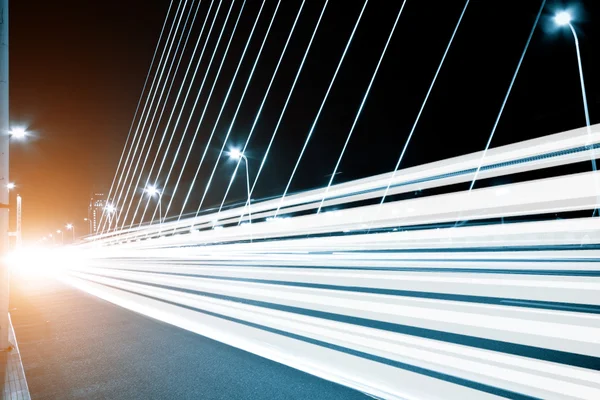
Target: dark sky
(77, 70)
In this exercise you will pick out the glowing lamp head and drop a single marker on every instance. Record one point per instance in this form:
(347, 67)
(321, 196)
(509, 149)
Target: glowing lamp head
(110, 209)
(18, 133)
(236, 154)
(10, 186)
(58, 231)
(152, 190)
(69, 226)
(563, 18)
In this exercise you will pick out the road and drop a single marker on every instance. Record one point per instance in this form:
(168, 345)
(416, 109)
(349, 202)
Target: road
(76, 346)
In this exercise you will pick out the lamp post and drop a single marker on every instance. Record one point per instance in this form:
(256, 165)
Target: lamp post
(110, 210)
(235, 154)
(18, 133)
(152, 191)
(71, 227)
(562, 19)
(89, 221)
(62, 236)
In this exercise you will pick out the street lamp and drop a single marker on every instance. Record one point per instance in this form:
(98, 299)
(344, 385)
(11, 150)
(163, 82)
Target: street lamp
(18, 133)
(70, 227)
(152, 191)
(10, 185)
(89, 221)
(561, 19)
(236, 154)
(62, 236)
(110, 210)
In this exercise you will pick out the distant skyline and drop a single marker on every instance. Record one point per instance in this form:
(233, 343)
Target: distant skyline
(77, 71)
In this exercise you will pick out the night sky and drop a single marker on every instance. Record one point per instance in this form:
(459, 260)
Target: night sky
(78, 68)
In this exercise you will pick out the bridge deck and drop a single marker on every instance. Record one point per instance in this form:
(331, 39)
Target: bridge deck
(74, 345)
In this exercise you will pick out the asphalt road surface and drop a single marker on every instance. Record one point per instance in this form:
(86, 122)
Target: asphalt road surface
(75, 346)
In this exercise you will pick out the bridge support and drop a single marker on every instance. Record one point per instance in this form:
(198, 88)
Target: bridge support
(4, 143)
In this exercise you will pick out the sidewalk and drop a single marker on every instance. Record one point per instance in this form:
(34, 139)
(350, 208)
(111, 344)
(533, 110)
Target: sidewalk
(12, 376)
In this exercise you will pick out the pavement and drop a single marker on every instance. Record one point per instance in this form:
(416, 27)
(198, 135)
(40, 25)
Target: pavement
(13, 385)
(76, 346)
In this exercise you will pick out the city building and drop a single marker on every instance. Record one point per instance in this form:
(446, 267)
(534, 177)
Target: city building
(95, 209)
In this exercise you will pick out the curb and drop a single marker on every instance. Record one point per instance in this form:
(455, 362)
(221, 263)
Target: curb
(15, 384)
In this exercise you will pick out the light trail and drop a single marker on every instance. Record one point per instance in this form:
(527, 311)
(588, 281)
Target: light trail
(287, 100)
(202, 117)
(554, 150)
(312, 128)
(362, 103)
(490, 310)
(223, 319)
(161, 97)
(497, 322)
(233, 79)
(259, 109)
(102, 227)
(136, 110)
(138, 133)
(421, 308)
(182, 107)
(516, 200)
(412, 130)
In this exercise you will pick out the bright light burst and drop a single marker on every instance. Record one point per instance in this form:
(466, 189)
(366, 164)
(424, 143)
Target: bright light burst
(42, 261)
(152, 190)
(563, 18)
(235, 154)
(18, 132)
